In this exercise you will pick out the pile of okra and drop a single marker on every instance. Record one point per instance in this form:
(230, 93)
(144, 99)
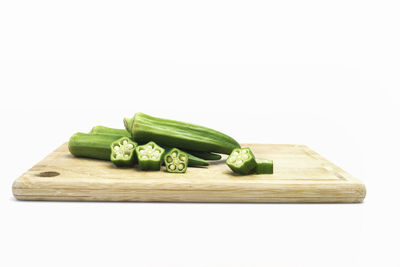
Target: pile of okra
(150, 142)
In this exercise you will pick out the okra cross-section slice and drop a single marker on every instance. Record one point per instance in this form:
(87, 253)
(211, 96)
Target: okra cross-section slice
(123, 152)
(176, 161)
(242, 161)
(264, 166)
(149, 156)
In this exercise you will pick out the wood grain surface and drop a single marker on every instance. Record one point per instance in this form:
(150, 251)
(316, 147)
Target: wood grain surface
(300, 175)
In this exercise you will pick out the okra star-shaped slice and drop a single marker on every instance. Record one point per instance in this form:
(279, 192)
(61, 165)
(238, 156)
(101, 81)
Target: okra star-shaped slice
(149, 156)
(176, 161)
(242, 161)
(122, 152)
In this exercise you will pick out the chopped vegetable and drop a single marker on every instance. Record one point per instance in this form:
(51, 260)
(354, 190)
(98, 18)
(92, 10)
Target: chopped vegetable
(176, 161)
(149, 156)
(242, 161)
(264, 166)
(123, 152)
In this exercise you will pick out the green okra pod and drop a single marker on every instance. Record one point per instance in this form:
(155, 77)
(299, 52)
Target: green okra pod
(123, 152)
(149, 156)
(171, 133)
(109, 131)
(194, 156)
(96, 146)
(242, 161)
(176, 161)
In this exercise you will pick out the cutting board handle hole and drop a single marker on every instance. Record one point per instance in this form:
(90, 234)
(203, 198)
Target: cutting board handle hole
(48, 174)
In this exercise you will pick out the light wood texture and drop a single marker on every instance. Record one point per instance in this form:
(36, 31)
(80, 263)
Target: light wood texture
(300, 175)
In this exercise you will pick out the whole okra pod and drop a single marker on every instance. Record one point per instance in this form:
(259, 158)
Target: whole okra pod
(187, 136)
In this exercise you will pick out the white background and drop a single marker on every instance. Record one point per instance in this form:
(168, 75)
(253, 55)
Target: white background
(320, 73)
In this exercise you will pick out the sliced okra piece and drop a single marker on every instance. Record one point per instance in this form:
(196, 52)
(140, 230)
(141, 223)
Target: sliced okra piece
(149, 156)
(242, 161)
(176, 161)
(264, 166)
(123, 152)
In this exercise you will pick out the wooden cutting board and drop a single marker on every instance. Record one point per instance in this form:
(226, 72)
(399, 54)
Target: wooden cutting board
(300, 175)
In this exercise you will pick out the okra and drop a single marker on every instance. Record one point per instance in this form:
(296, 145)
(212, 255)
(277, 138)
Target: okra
(96, 146)
(264, 166)
(203, 155)
(123, 152)
(195, 157)
(110, 131)
(171, 133)
(149, 156)
(176, 161)
(242, 161)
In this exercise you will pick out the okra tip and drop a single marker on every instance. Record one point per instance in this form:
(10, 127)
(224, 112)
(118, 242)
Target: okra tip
(128, 123)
